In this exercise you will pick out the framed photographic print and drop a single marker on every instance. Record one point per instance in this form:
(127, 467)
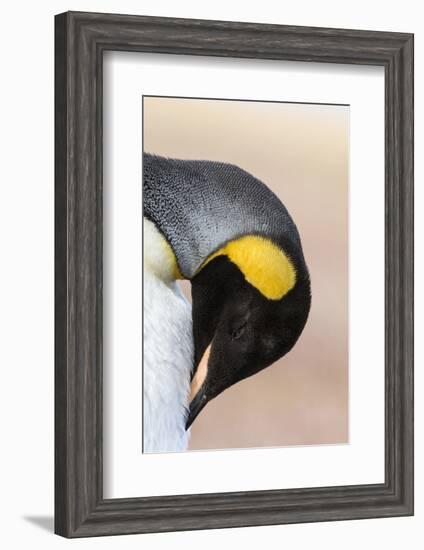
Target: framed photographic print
(234, 274)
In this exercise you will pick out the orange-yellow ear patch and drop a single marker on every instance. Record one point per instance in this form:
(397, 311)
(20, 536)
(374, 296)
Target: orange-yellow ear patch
(263, 264)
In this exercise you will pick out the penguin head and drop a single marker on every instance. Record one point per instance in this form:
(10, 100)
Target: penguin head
(235, 241)
(251, 301)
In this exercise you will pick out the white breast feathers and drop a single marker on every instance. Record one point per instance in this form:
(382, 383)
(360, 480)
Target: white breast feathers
(167, 347)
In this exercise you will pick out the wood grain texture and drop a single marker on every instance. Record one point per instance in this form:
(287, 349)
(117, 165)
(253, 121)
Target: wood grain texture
(81, 38)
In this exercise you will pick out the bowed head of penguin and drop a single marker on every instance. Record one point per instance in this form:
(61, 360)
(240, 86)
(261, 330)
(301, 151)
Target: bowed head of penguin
(238, 330)
(231, 236)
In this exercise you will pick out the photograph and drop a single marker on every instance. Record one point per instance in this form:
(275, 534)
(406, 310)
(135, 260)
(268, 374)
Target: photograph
(245, 274)
(233, 275)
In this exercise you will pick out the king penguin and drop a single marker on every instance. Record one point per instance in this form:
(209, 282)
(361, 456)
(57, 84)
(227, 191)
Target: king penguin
(223, 229)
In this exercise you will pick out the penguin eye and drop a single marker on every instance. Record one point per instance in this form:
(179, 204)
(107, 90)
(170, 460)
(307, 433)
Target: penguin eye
(237, 332)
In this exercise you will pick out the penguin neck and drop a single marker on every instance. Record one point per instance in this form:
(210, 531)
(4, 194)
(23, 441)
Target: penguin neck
(263, 264)
(158, 256)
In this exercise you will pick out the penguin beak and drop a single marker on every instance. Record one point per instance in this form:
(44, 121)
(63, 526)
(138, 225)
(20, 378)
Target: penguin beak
(198, 396)
(196, 406)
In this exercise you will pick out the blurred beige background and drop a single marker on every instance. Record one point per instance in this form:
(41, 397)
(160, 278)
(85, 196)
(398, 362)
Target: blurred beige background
(301, 153)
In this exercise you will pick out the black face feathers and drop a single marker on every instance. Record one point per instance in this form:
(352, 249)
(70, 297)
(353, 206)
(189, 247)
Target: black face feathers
(246, 331)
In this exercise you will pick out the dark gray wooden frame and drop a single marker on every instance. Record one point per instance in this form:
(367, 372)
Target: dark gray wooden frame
(80, 40)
